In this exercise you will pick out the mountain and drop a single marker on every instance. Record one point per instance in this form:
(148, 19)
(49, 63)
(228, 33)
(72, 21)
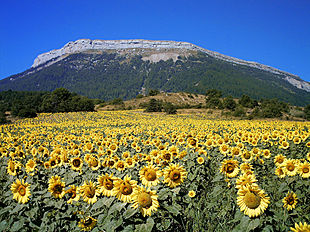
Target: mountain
(110, 69)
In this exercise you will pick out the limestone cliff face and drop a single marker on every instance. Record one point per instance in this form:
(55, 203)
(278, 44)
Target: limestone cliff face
(83, 45)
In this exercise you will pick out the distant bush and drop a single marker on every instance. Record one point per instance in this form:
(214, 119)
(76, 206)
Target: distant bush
(139, 96)
(307, 112)
(117, 101)
(154, 106)
(246, 101)
(169, 108)
(153, 92)
(229, 103)
(271, 108)
(239, 112)
(2, 118)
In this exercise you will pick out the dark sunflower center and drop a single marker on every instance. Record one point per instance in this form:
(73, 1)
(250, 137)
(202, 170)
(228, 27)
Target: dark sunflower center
(111, 163)
(305, 170)
(145, 200)
(88, 222)
(150, 175)
(120, 165)
(76, 163)
(72, 193)
(22, 190)
(290, 167)
(290, 200)
(175, 175)
(58, 189)
(94, 162)
(230, 168)
(53, 163)
(126, 189)
(108, 184)
(167, 156)
(129, 162)
(251, 200)
(90, 192)
(31, 164)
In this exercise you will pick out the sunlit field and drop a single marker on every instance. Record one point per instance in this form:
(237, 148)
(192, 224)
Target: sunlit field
(132, 171)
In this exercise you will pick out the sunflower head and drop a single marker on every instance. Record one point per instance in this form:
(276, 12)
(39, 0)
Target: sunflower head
(145, 200)
(290, 201)
(174, 175)
(21, 191)
(87, 224)
(252, 200)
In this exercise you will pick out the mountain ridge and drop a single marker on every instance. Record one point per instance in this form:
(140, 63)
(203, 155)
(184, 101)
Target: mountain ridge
(130, 67)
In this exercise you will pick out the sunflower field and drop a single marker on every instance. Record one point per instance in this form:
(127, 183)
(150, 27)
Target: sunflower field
(132, 171)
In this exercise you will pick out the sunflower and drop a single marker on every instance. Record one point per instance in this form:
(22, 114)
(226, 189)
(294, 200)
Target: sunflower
(191, 193)
(246, 156)
(145, 200)
(13, 167)
(130, 163)
(56, 187)
(266, 153)
(87, 223)
(285, 145)
(124, 189)
(72, 192)
(174, 175)
(149, 175)
(252, 200)
(230, 168)
(224, 149)
(246, 167)
(301, 227)
(76, 164)
(246, 179)
(94, 163)
(279, 159)
(21, 191)
(290, 201)
(106, 184)
(291, 167)
(235, 151)
(120, 165)
(280, 171)
(304, 169)
(200, 160)
(89, 192)
(30, 165)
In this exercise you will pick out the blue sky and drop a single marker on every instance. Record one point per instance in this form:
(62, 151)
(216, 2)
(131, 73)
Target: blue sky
(271, 32)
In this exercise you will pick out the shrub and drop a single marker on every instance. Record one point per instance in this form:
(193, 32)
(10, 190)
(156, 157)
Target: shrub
(169, 108)
(229, 103)
(154, 106)
(307, 112)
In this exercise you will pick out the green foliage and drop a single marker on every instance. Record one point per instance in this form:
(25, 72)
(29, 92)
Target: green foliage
(117, 101)
(229, 103)
(139, 96)
(307, 112)
(153, 92)
(213, 93)
(271, 108)
(169, 108)
(239, 112)
(154, 106)
(246, 101)
(2, 118)
(106, 76)
(214, 102)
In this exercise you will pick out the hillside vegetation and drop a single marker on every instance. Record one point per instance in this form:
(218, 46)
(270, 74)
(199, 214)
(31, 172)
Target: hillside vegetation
(109, 75)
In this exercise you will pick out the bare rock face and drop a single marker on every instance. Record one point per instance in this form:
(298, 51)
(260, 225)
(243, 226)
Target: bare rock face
(83, 45)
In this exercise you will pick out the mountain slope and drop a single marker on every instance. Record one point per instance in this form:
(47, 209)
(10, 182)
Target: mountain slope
(105, 69)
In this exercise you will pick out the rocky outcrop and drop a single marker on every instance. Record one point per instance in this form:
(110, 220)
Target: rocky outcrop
(87, 44)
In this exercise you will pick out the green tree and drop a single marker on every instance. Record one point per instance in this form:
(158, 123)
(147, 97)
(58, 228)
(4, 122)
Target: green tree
(154, 106)
(229, 103)
(153, 92)
(307, 112)
(169, 108)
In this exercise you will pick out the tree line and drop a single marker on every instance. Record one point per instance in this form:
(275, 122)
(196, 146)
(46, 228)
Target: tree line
(26, 104)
